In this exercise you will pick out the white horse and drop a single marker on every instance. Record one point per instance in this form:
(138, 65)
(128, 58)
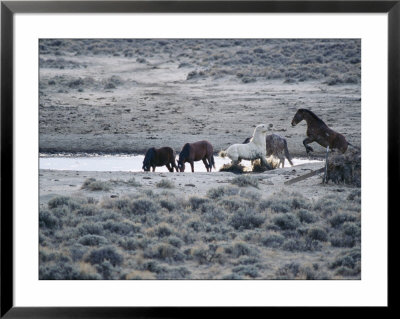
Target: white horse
(255, 149)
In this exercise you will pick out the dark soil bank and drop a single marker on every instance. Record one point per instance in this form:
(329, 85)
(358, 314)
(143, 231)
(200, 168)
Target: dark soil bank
(129, 95)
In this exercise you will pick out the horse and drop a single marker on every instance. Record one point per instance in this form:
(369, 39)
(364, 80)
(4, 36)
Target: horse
(255, 149)
(193, 152)
(318, 131)
(159, 157)
(276, 145)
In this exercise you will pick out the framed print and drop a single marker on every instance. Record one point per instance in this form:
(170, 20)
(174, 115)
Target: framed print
(163, 155)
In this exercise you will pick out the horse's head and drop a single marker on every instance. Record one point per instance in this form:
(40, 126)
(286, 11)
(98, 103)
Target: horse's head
(262, 128)
(183, 156)
(147, 159)
(298, 117)
(181, 165)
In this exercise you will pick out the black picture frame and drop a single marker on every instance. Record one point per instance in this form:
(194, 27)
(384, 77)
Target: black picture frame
(9, 8)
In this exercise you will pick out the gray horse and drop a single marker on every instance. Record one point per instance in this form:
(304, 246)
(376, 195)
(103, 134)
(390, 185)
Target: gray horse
(276, 145)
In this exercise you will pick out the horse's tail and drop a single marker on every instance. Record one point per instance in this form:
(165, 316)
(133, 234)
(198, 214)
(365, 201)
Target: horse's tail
(212, 161)
(287, 153)
(222, 154)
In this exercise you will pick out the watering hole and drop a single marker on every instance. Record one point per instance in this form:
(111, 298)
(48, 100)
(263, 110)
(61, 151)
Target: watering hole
(128, 163)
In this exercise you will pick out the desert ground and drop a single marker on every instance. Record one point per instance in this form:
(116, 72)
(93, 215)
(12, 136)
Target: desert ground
(125, 96)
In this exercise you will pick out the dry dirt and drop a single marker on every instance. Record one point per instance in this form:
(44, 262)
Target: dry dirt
(125, 104)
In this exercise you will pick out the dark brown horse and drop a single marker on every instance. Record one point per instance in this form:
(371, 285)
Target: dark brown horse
(159, 157)
(192, 152)
(318, 131)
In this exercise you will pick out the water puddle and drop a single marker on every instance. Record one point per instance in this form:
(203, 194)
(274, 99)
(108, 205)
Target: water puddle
(128, 163)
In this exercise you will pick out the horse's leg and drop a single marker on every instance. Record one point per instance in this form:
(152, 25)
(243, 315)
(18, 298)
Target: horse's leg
(192, 165)
(326, 166)
(169, 167)
(210, 161)
(173, 164)
(154, 168)
(205, 164)
(308, 147)
(281, 160)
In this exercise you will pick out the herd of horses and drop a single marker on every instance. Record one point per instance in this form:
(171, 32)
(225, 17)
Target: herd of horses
(258, 146)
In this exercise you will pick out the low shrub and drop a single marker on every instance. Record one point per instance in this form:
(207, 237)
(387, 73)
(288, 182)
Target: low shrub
(273, 240)
(349, 235)
(355, 195)
(241, 249)
(108, 253)
(246, 220)
(142, 206)
(121, 228)
(306, 217)
(58, 201)
(234, 203)
(196, 202)
(64, 271)
(164, 183)
(286, 221)
(164, 251)
(163, 230)
(106, 269)
(77, 251)
(347, 264)
(284, 203)
(341, 218)
(175, 241)
(90, 229)
(208, 254)
(246, 270)
(303, 272)
(294, 245)
(317, 233)
(328, 205)
(92, 184)
(221, 191)
(168, 204)
(213, 213)
(48, 220)
(92, 240)
(87, 210)
(244, 181)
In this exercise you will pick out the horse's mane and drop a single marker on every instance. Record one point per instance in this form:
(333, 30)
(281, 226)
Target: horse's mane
(312, 115)
(149, 155)
(185, 151)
